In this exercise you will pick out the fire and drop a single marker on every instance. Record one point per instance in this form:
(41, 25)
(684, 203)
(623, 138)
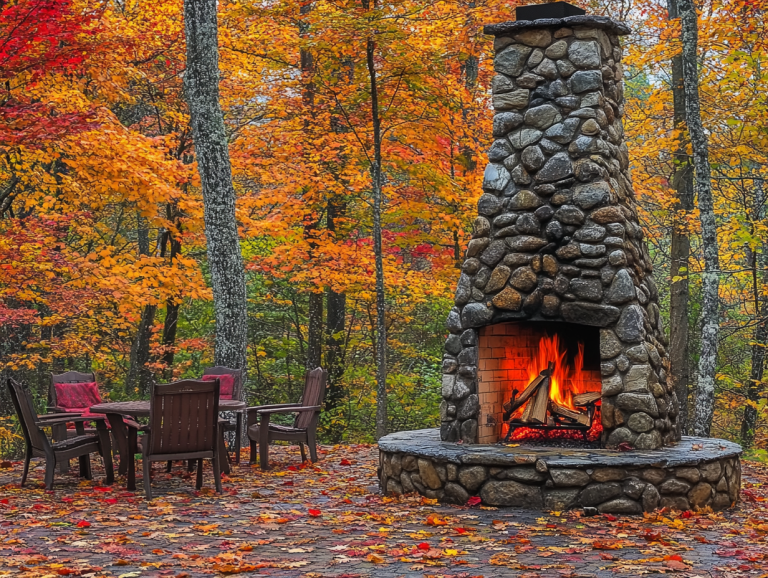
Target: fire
(566, 381)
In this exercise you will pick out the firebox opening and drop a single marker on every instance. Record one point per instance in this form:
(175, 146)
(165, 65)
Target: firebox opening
(539, 380)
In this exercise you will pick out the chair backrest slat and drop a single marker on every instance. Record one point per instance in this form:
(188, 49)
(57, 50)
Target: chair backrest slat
(237, 376)
(183, 417)
(314, 394)
(67, 377)
(25, 408)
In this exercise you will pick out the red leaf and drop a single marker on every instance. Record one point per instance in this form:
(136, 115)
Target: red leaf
(424, 546)
(474, 501)
(83, 524)
(345, 462)
(315, 513)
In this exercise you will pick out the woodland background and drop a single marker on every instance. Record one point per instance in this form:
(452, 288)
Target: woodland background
(102, 250)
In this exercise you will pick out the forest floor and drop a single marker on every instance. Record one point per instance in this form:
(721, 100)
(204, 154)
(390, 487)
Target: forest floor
(328, 520)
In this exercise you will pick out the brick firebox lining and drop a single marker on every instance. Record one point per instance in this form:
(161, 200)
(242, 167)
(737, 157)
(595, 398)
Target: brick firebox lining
(505, 350)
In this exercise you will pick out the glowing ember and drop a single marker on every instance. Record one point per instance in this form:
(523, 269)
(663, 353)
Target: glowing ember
(531, 434)
(566, 381)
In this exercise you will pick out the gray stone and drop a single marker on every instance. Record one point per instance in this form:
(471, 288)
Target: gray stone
(589, 313)
(565, 68)
(498, 279)
(595, 494)
(462, 388)
(620, 506)
(622, 288)
(721, 502)
(394, 487)
(640, 422)
(607, 368)
(532, 303)
(630, 325)
(405, 482)
(449, 365)
(689, 474)
(558, 167)
(590, 234)
(492, 255)
(591, 195)
(463, 289)
(547, 69)
(568, 477)
(469, 338)
(610, 346)
(584, 54)
(674, 486)
(428, 474)
(554, 231)
(452, 472)
(532, 158)
(609, 474)
(476, 315)
(481, 227)
(650, 498)
(563, 132)
(653, 475)
(468, 356)
(525, 243)
(528, 224)
(475, 246)
(488, 205)
(453, 344)
(468, 370)
(503, 122)
(550, 306)
(501, 84)
(633, 402)
(588, 289)
(711, 472)
(559, 500)
(542, 117)
(524, 137)
(634, 488)
(557, 50)
(638, 353)
(485, 273)
(550, 147)
(469, 431)
(455, 494)
(535, 37)
(617, 258)
(510, 493)
(469, 408)
(590, 127)
(637, 378)
(523, 279)
(649, 441)
(511, 61)
(496, 177)
(592, 250)
(622, 363)
(472, 477)
(515, 100)
(453, 321)
(500, 149)
(569, 215)
(520, 175)
(620, 435)
(612, 386)
(584, 80)
(526, 475)
(591, 263)
(448, 384)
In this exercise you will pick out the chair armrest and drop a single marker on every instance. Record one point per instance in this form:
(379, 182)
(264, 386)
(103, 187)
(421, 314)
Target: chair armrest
(275, 405)
(56, 409)
(290, 409)
(135, 425)
(75, 419)
(47, 416)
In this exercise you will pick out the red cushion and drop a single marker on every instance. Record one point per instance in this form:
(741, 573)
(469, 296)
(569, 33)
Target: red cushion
(226, 384)
(77, 397)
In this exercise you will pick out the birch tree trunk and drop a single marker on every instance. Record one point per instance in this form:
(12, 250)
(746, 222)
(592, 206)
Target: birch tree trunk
(377, 186)
(682, 182)
(201, 84)
(704, 406)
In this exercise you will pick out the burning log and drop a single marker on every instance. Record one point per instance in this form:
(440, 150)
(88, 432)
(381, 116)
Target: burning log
(536, 410)
(516, 402)
(584, 399)
(576, 416)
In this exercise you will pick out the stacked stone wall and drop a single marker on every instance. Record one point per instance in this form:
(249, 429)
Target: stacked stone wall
(557, 235)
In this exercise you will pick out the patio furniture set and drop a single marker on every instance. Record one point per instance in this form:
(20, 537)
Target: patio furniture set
(182, 424)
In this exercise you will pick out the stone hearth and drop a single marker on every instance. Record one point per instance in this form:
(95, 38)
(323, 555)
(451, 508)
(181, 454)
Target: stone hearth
(694, 473)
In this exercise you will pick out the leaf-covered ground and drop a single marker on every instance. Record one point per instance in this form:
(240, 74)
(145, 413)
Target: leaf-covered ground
(329, 520)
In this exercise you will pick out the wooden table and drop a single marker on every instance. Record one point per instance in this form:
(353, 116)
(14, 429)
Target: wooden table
(127, 446)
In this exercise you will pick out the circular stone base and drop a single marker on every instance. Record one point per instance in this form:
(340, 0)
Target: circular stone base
(695, 473)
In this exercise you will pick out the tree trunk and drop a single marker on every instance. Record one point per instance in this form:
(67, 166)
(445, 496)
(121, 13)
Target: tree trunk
(682, 182)
(754, 387)
(705, 391)
(377, 186)
(201, 83)
(139, 376)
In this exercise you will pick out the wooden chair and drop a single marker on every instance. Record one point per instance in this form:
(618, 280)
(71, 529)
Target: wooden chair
(38, 445)
(183, 425)
(304, 430)
(233, 391)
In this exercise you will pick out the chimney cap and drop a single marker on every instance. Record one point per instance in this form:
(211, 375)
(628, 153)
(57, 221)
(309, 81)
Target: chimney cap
(586, 21)
(548, 10)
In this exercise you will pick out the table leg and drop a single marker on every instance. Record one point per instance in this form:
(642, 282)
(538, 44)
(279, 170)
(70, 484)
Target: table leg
(120, 434)
(132, 449)
(223, 455)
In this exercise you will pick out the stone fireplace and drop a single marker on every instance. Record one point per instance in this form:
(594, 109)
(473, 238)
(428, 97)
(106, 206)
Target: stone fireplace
(557, 240)
(556, 330)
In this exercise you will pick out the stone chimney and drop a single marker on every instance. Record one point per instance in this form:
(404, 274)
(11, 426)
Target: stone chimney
(557, 236)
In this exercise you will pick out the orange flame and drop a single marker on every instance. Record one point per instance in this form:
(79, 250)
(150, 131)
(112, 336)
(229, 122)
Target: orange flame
(566, 381)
